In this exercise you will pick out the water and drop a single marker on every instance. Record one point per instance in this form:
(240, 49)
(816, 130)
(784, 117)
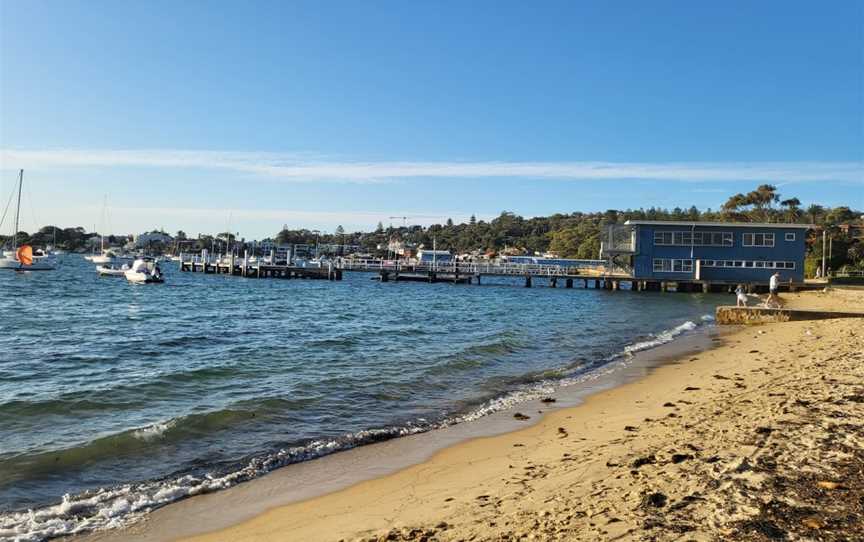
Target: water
(126, 397)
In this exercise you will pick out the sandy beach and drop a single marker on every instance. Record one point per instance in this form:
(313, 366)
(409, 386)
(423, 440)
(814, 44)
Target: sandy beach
(758, 438)
(755, 438)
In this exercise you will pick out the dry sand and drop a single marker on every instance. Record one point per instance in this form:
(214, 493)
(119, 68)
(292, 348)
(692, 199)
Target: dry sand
(759, 438)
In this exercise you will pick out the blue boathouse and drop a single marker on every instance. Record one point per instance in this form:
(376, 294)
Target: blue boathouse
(707, 252)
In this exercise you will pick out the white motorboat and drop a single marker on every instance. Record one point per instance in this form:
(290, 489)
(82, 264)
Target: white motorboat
(22, 257)
(112, 271)
(144, 271)
(106, 257)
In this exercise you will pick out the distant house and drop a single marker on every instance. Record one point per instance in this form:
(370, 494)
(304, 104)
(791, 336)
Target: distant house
(151, 238)
(281, 252)
(853, 231)
(718, 252)
(438, 256)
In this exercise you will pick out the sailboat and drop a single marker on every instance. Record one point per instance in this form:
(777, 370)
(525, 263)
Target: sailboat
(105, 256)
(22, 257)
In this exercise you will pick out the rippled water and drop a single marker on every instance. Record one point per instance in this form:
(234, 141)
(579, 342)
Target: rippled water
(126, 397)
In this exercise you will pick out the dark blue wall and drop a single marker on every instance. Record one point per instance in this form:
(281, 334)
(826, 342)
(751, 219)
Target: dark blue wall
(783, 250)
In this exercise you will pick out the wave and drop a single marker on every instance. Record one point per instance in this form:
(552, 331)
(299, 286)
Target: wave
(660, 338)
(118, 506)
(117, 396)
(141, 440)
(477, 355)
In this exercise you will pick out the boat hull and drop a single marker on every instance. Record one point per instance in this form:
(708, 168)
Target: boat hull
(109, 272)
(37, 265)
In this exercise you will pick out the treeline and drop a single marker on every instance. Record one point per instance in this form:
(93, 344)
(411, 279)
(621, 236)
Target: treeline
(66, 238)
(574, 235)
(577, 235)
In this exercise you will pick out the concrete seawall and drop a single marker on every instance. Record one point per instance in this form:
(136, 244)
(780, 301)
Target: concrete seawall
(759, 315)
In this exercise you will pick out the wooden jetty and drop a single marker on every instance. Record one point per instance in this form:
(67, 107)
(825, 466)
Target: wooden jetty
(598, 276)
(473, 273)
(253, 268)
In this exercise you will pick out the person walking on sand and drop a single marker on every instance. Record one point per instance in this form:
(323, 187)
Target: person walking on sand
(773, 286)
(741, 296)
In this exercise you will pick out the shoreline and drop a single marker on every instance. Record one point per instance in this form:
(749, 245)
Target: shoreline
(341, 470)
(531, 476)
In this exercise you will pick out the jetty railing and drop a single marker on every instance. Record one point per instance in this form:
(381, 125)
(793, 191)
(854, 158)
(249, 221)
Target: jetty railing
(486, 268)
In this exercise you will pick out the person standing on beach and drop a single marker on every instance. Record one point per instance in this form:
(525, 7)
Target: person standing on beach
(773, 286)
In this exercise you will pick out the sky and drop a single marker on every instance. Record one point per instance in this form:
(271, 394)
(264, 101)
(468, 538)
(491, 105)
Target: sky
(208, 115)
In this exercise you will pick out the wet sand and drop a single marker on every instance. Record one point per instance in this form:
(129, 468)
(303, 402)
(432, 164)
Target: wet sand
(757, 438)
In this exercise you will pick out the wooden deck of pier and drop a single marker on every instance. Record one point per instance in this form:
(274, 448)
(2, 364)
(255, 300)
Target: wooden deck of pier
(240, 267)
(471, 272)
(598, 277)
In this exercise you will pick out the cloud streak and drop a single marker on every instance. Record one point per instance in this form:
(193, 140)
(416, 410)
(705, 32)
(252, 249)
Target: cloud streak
(314, 168)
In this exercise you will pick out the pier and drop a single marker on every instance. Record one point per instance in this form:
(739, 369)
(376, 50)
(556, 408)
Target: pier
(255, 268)
(597, 275)
(473, 273)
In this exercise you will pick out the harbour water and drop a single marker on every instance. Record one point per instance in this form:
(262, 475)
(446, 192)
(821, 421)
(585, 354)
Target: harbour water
(117, 398)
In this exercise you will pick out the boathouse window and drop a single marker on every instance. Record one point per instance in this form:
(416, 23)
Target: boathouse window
(699, 238)
(749, 264)
(790, 236)
(758, 239)
(665, 265)
(662, 238)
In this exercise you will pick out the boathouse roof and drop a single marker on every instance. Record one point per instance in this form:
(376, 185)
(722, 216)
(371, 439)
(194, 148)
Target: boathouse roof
(719, 224)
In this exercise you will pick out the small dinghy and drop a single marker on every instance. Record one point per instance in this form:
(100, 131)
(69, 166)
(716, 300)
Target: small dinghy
(144, 271)
(112, 271)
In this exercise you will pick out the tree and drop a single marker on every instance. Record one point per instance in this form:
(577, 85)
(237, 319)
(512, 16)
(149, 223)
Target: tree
(840, 215)
(755, 205)
(340, 230)
(565, 243)
(792, 208)
(180, 236)
(761, 201)
(472, 221)
(449, 222)
(815, 212)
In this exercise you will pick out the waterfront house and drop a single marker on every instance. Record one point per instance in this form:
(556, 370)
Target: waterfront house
(707, 252)
(437, 256)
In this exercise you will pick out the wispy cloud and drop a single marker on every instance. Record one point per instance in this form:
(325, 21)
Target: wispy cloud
(309, 167)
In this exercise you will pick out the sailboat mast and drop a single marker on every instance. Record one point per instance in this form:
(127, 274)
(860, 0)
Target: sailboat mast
(102, 237)
(17, 211)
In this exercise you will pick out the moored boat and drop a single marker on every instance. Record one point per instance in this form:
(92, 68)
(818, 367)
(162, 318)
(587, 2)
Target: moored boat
(22, 258)
(112, 271)
(144, 271)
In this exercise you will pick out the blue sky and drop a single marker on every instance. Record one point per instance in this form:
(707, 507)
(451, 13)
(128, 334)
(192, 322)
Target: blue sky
(199, 115)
